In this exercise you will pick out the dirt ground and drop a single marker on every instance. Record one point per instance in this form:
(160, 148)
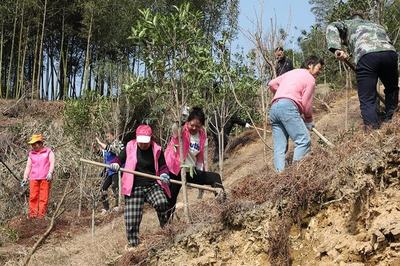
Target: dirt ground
(325, 240)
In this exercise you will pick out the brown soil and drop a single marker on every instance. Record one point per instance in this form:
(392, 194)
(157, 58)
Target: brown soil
(358, 229)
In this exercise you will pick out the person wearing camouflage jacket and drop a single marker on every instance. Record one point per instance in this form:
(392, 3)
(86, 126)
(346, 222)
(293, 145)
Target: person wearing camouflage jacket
(375, 57)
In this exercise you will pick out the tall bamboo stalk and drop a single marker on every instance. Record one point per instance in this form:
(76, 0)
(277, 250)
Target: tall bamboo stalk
(62, 66)
(85, 73)
(1, 58)
(40, 59)
(22, 73)
(35, 63)
(8, 83)
(21, 29)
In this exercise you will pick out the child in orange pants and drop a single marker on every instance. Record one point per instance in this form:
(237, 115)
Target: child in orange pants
(39, 170)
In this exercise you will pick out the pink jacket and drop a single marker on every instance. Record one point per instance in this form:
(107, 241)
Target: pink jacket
(131, 161)
(172, 151)
(297, 85)
(40, 164)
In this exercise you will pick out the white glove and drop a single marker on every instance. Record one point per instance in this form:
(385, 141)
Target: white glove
(184, 114)
(49, 176)
(23, 182)
(185, 111)
(165, 178)
(247, 125)
(309, 125)
(115, 167)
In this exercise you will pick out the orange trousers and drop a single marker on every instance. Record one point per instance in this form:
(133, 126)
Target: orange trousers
(38, 197)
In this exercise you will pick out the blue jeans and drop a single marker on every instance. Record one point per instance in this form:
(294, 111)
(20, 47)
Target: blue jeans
(286, 122)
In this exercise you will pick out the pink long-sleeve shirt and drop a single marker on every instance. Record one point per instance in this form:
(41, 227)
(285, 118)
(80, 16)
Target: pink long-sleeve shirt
(297, 85)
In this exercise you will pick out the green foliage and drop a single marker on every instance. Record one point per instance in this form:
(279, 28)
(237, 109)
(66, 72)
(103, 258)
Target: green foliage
(66, 31)
(172, 46)
(87, 116)
(392, 22)
(314, 42)
(181, 67)
(176, 54)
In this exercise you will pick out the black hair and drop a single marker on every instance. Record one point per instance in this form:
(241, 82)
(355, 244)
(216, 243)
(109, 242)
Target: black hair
(109, 131)
(358, 13)
(312, 60)
(280, 48)
(197, 113)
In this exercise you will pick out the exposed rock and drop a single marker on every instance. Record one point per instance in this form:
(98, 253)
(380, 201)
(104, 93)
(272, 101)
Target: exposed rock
(396, 232)
(378, 240)
(365, 249)
(395, 246)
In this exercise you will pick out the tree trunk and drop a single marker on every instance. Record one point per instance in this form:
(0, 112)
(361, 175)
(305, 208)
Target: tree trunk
(85, 73)
(47, 80)
(80, 189)
(183, 170)
(21, 29)
(35, 63)
(1, 59)
(8, 83)
(264, 111)
(41, 76)
(221, 153)
(52, 77)
(66, 80)
(61, 91)
(109, 85)
(22, 73)
(40, 59)
(183, 178)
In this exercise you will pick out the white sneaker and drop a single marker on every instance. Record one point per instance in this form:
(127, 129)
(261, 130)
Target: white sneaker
(130, 248)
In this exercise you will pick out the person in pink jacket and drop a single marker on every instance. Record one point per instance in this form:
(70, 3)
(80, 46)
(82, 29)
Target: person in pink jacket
(194, 138)
(291, 110)
(39, 170)
(143, 155)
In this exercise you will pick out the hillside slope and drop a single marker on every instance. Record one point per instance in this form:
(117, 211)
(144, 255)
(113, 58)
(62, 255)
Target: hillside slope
(354, 220)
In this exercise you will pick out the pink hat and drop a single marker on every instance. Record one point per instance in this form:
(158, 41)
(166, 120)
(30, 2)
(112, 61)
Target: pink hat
(143, 134)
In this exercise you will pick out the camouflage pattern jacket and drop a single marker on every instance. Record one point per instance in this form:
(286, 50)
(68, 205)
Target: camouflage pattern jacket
(361, 37)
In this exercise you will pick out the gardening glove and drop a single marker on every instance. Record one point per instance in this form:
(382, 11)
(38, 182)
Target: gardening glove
(115, 167)
(49, 176)
(165, 178)
(185, 113)
(23, 182)
(309, 125)
(247, 125)
(341, 55)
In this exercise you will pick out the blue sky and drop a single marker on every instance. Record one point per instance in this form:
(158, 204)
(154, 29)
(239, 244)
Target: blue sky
(289, 14)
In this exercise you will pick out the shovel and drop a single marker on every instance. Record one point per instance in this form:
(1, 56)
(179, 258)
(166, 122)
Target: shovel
(215, 190)
(330, 144)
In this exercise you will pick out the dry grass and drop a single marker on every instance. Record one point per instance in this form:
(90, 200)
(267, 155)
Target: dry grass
(360, 163)
(326, 175)
(302, 190)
